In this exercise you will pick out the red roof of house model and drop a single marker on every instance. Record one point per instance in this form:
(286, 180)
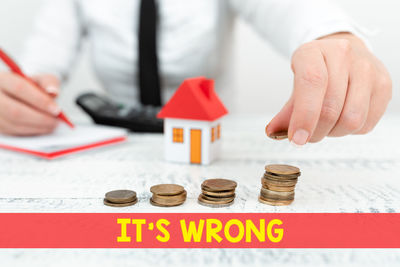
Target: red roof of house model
(195, 99)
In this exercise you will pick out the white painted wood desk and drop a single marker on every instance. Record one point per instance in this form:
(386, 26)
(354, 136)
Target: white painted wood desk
(352, 174)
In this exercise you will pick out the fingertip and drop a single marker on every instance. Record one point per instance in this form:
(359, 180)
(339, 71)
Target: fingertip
(303, 124)
(300, 137)
(274, 126)
(266, 130)
(281, 120)
(53, 90)
(53, 109)
(48, 83)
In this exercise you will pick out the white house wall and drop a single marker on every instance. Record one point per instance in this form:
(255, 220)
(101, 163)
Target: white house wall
(180, 152)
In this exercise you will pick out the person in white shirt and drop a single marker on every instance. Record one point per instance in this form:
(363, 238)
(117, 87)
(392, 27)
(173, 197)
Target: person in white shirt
(340, 87)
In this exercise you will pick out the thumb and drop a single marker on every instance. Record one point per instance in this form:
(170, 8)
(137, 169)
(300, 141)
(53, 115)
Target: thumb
(281, 121)
(49, 83)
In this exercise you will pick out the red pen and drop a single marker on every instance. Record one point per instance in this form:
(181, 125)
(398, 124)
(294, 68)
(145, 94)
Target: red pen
(17, 70)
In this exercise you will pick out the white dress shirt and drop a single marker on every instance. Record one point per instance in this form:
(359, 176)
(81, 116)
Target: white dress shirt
(193, 36)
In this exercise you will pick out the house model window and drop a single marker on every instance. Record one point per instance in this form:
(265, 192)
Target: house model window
(212, 134)
(219, 131)
(177, 135)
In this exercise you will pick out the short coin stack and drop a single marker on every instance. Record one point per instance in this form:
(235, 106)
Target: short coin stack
(278, 184)
(167, 195)
(120, 198)
(217, 193)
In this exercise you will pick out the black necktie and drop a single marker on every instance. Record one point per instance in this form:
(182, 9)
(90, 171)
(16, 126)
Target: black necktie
(149, 79)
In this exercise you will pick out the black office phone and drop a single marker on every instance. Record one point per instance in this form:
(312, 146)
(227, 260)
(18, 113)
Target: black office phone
(106, 112)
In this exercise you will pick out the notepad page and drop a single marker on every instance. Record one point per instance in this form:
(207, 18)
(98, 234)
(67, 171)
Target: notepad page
(64, 138)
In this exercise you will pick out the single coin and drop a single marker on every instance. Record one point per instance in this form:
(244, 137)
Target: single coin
(275, 203)
(169, 200)
(272, 192)
(281, 135)
(215, 201)
(111, 204)
(276, 195)
(230, 193)
(180, 196)
(219, 199)
(217, 185)
(167, 189)
(279, 188)
(201, 202)
(265, 182)
(121, 196)
(281, 177)
(274, 199)
(162, 205)
(282, 169)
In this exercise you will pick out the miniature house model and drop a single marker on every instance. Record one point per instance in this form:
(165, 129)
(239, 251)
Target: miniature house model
(192, 127)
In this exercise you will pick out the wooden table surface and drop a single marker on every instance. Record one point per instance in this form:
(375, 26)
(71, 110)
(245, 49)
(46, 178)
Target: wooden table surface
(351, 174)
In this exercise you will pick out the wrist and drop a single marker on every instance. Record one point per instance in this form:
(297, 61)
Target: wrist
(345, 35)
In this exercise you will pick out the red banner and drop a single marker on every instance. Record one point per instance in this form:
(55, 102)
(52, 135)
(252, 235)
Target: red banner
(199, 230)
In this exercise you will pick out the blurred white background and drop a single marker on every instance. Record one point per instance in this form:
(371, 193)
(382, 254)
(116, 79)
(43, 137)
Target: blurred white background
(262, 78)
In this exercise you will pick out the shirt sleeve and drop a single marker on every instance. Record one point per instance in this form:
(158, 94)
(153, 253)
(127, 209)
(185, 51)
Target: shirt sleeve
(55, 40)
(287, 24)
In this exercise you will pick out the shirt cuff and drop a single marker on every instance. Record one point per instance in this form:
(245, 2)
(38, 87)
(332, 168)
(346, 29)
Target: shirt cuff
(332, 27)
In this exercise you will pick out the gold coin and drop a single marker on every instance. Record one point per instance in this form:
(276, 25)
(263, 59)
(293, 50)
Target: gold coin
(280, 180)
(279, 188)
(281, 135)
(219, 194)
(180, 196)
(111, 204)
(269, 194)
(266, 182)
(281, 177)
(218, 199)
(169, 200)
(273, 202)
(282, 169)
(167, 189)
(163, 205)
(121, 196)
(217, 185)
(213, 205)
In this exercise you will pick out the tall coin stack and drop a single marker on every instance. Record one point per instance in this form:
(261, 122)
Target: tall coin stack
(278, 184)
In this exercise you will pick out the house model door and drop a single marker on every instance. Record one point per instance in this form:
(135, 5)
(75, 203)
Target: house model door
(195, 146)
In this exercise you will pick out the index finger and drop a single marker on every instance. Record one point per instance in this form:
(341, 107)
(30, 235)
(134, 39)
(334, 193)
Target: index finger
(310, 84)
(28, 93)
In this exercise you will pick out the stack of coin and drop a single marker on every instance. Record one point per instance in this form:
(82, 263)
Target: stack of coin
(167, 195)
(217, 193)
(278, 184)
(120, 198)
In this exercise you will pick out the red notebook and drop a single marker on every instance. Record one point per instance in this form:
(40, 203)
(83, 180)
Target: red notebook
(64, 141)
